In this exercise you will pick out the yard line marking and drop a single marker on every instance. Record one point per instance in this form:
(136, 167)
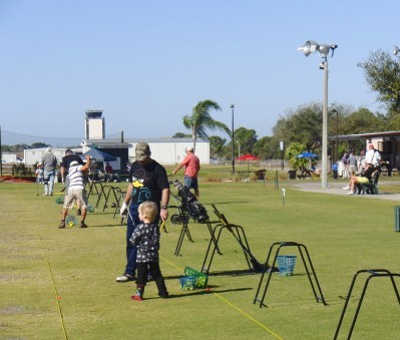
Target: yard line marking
(58, 297)
(248, 316)
(58, 301)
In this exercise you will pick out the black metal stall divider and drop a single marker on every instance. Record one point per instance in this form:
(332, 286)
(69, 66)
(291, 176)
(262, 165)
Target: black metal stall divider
(238, 234)
(114, 198)
(183, 218)
(93, 187)
(373, 273)
(119, 196)
(300, 247)
(101, 193)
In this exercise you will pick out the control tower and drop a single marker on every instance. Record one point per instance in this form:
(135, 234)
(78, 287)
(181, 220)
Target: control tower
(94, 125)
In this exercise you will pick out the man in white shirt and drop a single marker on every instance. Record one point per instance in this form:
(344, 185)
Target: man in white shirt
(372, 160)
(76, 191)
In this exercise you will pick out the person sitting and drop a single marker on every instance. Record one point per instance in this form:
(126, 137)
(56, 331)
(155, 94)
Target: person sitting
(355, 181)
(359, 183)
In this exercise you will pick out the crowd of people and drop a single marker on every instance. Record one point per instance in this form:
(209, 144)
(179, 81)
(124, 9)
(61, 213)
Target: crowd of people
(360, 169)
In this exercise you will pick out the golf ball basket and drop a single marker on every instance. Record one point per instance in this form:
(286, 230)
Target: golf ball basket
(193, 279)
(308, 266)
(188, 282)
(373, 273)
(286, 264)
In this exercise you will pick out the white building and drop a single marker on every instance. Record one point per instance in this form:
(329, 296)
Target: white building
(166, 151)
(33, 156)
(10, 157)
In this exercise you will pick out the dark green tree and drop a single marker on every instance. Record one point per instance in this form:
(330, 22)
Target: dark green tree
(246, 138)
(38, 145)
(181, 135)
(266, 148)
(217, 146)
(304, 126)
(361, 121)
(382, 73)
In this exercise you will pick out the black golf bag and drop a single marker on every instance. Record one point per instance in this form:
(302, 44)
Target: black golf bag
(190, 203)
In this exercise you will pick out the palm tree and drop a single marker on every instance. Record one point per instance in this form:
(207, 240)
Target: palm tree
(200, 120)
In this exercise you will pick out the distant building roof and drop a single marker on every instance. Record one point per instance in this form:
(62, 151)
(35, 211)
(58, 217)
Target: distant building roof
(117, 141)
(367, 135)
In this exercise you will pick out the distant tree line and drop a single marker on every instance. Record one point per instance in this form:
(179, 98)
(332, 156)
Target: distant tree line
(22, 147)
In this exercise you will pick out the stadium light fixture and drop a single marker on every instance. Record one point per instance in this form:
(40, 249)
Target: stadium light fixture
(308, 48)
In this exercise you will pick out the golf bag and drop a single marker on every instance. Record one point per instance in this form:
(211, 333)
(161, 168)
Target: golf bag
(190, 203)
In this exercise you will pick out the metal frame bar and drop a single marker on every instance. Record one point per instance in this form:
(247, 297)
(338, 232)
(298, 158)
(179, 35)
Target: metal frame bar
(101, 193)
(111, 189)
(373, 273)
(184, 230)
(213, 245)
(319, 297)
(93, 185)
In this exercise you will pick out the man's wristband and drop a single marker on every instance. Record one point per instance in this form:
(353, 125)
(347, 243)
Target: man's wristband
(164, 207)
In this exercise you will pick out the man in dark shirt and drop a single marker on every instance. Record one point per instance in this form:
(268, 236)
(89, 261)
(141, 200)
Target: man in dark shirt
(148, 182)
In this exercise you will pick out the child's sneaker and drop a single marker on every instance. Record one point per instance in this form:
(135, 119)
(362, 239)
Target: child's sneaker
(83, 225)
(61, 225)
(137, 298)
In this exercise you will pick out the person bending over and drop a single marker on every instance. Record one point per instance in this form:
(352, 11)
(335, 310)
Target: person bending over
(146, 237)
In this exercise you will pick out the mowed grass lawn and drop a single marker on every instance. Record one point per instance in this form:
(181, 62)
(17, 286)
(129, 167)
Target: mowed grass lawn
(58, 284)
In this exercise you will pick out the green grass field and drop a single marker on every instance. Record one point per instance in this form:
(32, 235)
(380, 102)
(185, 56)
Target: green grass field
(60, 284)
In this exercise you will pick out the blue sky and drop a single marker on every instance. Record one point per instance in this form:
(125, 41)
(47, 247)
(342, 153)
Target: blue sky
(147, 63)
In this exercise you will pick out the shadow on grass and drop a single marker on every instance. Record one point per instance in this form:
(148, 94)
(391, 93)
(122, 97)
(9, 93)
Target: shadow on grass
(235, 272)
(203, 292)
(106, 226)
(99, 213)
(220, 273)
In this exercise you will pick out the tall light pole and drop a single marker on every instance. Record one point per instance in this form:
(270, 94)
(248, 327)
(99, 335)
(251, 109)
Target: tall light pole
(233, 138)
(324, 49)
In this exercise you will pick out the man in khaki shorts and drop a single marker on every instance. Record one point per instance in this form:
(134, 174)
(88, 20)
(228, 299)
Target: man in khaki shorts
(76, 191)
